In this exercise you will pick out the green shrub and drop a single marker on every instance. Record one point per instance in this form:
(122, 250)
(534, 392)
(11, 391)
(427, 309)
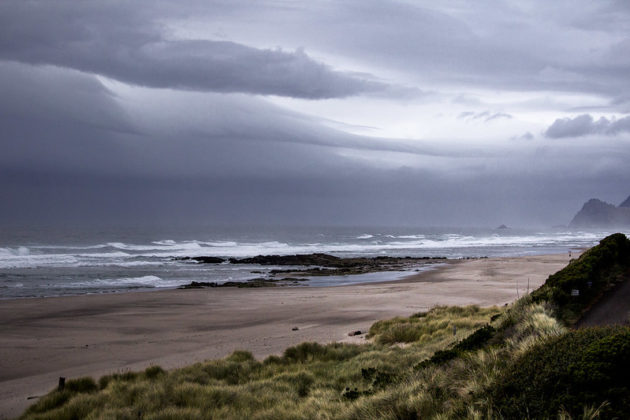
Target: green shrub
(273, 360)
(241, 356)
(307, 352)
(85, 384)
(577, 369)
(477, 339)
(153, 372)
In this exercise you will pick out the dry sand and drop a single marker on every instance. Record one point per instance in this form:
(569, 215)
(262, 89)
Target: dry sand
(43, 339)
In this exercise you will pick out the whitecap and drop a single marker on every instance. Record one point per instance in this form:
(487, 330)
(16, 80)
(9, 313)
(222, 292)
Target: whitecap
(17, 252)
(149, 281)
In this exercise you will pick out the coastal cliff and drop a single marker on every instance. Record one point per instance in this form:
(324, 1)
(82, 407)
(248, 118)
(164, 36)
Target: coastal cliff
(597, 213)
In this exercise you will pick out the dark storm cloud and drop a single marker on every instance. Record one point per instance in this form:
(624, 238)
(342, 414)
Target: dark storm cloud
(537, 46)
(585, 124)
(117, 41)
(492, 45)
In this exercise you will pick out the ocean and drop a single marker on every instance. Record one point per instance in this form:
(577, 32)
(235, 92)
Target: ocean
(73, 261)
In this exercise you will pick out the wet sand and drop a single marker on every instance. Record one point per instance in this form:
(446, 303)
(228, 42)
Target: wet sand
(43, 339)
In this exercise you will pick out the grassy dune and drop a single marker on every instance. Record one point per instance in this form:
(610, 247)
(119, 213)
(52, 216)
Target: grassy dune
(451, 362)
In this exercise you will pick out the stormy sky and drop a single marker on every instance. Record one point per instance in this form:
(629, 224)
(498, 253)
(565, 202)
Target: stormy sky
(357, 112)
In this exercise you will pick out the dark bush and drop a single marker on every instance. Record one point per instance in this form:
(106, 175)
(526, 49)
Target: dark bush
(307, 352)
(438, 358)
(153, 372)
(580, 368)
(379, 379)
(351, 394)
(273, 359)
(85, 384)
(239, 356)
(476, 340)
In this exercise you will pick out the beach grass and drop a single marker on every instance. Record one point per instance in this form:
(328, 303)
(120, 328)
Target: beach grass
(309, 380)
(518, 346)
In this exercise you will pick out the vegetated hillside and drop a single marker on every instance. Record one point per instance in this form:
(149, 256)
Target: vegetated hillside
(580, 284)
(450, 362)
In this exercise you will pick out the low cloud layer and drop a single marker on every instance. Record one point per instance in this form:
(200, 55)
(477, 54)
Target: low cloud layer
(585, 124)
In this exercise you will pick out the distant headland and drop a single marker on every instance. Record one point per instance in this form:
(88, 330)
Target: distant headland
(597, 214)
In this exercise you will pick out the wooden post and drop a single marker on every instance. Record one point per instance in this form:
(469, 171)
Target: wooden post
(62, 383)
(528, 285)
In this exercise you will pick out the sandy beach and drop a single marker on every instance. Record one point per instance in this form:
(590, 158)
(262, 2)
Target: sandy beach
(43, 339)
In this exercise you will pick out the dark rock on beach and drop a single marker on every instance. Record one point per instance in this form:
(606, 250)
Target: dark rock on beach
(324, 260)
(258, 282)
(308, 265)
(330, 265)
(306, 259)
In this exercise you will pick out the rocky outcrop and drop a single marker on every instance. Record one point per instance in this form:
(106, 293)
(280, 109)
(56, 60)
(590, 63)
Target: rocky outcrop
(599, 214)
(324, 260)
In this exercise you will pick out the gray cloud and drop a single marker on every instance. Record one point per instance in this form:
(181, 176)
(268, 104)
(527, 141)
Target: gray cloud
(524, 136)
(585, 124)
(114, 40)
(434, 44)
(540, 47)
(484, 115)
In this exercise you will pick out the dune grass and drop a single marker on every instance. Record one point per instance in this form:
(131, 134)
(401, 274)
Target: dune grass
(493, 355)
(308, 381)
(440, 323)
